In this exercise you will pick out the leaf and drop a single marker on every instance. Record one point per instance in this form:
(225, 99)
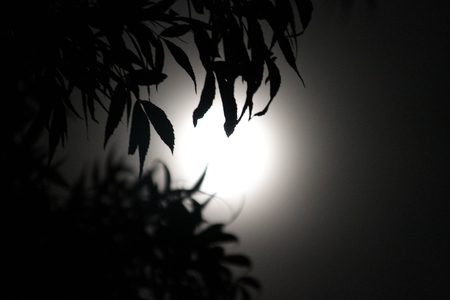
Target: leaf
(275, 82)
(206, 48)
(176, 30)
(182, 59)
(305, 9)
(226, 87)
(238, 260)
(159, 55)
(116, 108)
(260, 9)
(159, 8)
(139, 135)
(198, 6)
(214, 234)
(143, 36)
(206, 98)
(145, 77)
(160, 122)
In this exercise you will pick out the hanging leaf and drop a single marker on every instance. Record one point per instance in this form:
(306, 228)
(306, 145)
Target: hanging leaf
(207, 97)
(143, 36)
(145, 77)
(182, 59)
(160, 122)
(206, 48)
(159, 55)
(305, 9)
(139, 134)
(176, 30)
(275, 81)
(226, 87)
(116, 108)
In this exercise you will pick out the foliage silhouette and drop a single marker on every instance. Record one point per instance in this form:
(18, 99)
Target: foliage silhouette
(114, 236)
(102, 51)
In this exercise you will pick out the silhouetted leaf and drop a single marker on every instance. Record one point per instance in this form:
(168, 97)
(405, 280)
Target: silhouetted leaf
(198, 184)
(159, 8)
(305, 9)
(159, 55)
(176, 30)
(206, 48)
(285, 47)
(198, 6)
(275, 81)
(139, 134)
(260, 9)
(143, 36)
(238, 260)
(145, 77)
(226, 87)
(182, 59)
(214, 234)
(160, 122)
(206, 98)
(116, 108)
(255, 73)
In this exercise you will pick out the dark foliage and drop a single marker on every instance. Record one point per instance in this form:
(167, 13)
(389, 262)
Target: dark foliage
(104, 51)
(115, 237)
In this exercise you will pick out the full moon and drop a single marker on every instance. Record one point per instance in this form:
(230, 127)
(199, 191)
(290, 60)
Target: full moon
(234, 164)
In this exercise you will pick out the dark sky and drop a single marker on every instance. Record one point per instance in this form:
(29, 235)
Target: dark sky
(355, 205)
(359, 209)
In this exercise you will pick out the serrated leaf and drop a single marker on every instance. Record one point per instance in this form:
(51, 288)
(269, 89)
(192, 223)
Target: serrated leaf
(176, 30)
(145, 77)
(161, 123)
(139, 134)
(206, 98)
(116, 108)
(182, 59)
(238, 260)
(275, 81)
(226, 87)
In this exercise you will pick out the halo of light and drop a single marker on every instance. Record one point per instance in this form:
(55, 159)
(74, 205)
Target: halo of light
(235, 163)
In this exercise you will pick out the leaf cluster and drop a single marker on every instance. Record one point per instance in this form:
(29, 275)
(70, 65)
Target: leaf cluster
(160, 237)
(103, 52)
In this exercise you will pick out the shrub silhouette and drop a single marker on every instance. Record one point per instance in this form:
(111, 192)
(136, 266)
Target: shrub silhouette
(119, 237)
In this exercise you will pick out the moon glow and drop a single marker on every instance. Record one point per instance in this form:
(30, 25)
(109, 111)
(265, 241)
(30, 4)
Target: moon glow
(234, 163)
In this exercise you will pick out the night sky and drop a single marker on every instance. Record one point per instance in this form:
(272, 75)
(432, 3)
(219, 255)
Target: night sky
(354, 202)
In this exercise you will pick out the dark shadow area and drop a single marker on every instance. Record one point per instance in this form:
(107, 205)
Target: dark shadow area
(112, 236)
